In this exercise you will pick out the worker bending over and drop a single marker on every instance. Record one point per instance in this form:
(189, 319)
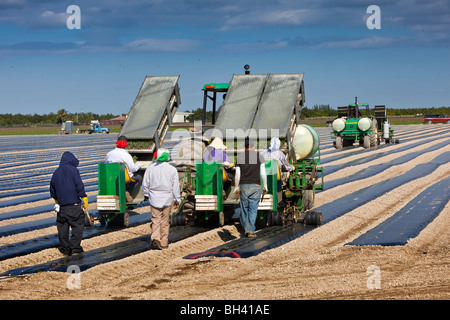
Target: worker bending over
(120, 155)
(162, 187)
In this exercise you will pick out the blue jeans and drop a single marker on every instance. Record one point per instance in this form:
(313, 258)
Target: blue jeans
(250, 195)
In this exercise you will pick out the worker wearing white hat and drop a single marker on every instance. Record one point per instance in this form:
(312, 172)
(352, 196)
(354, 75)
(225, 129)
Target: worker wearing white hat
(215, 151)
(162, 187)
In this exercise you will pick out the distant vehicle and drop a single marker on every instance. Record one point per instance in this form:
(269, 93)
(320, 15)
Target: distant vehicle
(329, 123)
(436, 118)
(352, 126)
(95, 127)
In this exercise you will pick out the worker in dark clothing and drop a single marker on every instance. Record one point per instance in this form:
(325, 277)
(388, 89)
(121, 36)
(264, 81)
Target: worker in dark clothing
(67, 188)
(250, 170)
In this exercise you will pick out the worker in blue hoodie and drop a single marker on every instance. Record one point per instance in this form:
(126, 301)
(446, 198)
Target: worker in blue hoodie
(67, 188)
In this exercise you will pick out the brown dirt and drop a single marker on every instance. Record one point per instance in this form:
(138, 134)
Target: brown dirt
(318, 265)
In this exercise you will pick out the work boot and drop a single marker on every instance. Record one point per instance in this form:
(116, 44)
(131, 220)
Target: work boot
(251, 235)
(65, 252)
(156, 245)
(129, 197)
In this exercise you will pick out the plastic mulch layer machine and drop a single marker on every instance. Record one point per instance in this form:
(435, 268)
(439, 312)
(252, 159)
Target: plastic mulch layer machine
(260, 107)
(145, 128)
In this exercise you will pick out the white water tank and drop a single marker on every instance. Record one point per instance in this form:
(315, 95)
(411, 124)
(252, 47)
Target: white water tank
(364, 124)
(306, 141)
(338, 124)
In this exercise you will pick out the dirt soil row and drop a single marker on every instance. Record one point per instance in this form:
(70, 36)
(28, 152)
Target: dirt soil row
(317, 265)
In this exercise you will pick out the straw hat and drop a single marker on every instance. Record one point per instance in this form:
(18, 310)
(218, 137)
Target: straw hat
(218, 144)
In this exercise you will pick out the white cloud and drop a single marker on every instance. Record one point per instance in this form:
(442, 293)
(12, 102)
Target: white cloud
(161, 45)
(264, 17)
(362, 43)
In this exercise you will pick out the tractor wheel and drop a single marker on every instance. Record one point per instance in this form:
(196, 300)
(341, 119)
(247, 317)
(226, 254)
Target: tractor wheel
(374, 135)
(313, 218)
(338, 143)
(366, 143)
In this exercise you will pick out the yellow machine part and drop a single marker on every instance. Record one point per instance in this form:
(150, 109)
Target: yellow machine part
(127, 177)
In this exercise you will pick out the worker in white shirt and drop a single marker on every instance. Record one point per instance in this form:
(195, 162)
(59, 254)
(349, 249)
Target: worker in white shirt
(120, 155)
(162, 187)
(274, 152)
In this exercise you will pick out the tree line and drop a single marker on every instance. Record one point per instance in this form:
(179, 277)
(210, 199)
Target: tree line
(9, 120)
(316, 111)
(325, 111)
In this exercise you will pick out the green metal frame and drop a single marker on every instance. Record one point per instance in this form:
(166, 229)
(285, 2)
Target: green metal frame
(111, 182)
(273, 185)
(209, 181)
(298, 181)
(186, 186)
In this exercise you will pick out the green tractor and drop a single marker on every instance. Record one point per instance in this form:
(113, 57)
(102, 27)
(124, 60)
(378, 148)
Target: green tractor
(352, 126)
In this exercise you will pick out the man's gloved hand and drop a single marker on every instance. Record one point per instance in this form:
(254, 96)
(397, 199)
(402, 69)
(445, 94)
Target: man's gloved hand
(236, 192)
(56, 208)
(263, 193)
(85, 203)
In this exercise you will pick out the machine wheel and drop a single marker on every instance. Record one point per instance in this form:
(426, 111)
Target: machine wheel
(313, 217)
(88, 219)
(275, 218)
(178, 219)
(261, 220)
(338, 143)
(120, 220)
(125, 219)
(308, 199)
(102, 219)
(221, 218)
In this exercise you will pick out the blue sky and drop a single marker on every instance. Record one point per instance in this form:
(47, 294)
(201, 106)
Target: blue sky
(45, 66)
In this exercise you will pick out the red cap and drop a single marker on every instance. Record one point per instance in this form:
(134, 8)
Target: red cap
(121, 143)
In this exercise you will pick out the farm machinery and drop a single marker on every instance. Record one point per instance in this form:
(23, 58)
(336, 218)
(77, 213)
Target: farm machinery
(259, 107)
(256, 107)
(352, 126)
(145, 129)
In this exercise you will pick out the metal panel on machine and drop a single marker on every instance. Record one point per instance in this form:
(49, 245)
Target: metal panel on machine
(149, 107)
(240, 103)
(282, 94)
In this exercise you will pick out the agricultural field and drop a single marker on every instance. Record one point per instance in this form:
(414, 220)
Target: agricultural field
(384, 234)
